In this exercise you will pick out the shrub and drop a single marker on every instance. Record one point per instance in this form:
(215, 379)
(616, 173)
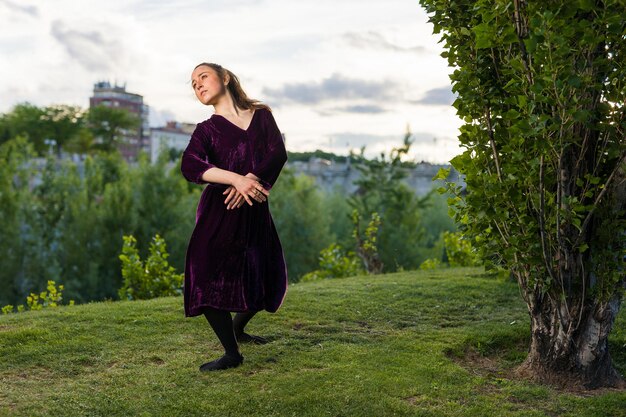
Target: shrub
(155, 278)
(50, 298)
(366, 246)
(335, 262)
(459, 250)
(431, 263)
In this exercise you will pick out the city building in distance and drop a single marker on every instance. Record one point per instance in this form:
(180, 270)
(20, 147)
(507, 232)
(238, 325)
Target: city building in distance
(116, 96)
(174, 135)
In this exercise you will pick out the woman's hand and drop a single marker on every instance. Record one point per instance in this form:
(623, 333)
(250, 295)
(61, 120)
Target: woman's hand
(234, 199)
(245, 188)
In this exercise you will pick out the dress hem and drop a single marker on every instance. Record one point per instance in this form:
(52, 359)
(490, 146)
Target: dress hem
(199, 312)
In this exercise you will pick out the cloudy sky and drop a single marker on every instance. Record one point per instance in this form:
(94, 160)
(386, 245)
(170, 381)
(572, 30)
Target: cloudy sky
(339, 74)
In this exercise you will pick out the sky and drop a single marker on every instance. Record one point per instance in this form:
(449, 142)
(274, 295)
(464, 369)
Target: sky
(338, 74)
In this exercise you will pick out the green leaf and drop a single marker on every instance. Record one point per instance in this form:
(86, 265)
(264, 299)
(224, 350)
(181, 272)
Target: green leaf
(586, 4)
(442, 174)
(485, 34)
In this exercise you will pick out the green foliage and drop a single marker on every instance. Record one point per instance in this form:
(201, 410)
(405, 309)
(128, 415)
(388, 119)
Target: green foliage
(335, 262)
(335, 212)
(154, 278)
(379, 185)
(337, 208)
(59, 220)
(108, 124)
(434, 219)
(318, 153)
(62, 127)
(353, 157)
(381, 189)
(64, 124)
(21, 244)
(459, 250)
(63, 219)
(50, 298)
(302, 219)
(8, 309)
(25, 121)
(366, 244)
(52, 128)
(541, 88)
(432, 263)
(46, 299)
(542, 98)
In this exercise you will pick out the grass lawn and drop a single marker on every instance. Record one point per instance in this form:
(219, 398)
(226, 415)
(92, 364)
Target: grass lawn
(387, 345)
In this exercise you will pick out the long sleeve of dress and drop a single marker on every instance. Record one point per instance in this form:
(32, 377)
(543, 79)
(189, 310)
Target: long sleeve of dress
(276, 155)
(234, 259)
(195, 159)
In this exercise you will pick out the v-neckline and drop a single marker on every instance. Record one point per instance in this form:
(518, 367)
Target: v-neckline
(243, 130)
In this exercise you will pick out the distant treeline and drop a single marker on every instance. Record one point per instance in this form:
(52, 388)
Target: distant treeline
(353, 157)
(66, 223)
(71, 129)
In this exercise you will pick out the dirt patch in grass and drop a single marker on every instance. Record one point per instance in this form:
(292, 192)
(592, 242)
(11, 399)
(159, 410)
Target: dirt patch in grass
(156, 360)
(421, 401)
(501, 365)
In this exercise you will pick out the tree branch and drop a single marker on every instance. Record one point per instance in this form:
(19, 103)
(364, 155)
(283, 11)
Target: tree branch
(493, 143)
(618, 165)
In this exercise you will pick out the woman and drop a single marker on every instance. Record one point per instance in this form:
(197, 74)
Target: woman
(234, 260)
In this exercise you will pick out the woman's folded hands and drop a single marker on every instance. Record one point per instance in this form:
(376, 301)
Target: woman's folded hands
(245, 189)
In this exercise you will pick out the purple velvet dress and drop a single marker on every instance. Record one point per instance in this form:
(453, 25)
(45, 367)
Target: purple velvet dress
(234, 259)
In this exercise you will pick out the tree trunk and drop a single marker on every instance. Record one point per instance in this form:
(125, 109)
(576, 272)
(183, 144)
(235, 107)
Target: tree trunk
(570, 348)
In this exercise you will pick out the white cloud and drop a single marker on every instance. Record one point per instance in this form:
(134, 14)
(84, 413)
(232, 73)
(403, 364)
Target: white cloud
(19, 8)
(375, 40)
(92, 49)
(325, 66)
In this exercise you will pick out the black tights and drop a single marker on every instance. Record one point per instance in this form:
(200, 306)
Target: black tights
(226, 328)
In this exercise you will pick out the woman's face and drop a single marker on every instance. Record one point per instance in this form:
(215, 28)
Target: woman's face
(207, 85)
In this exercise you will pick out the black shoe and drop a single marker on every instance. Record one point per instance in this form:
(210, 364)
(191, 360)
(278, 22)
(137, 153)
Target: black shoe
(225, 362)
(249, 338)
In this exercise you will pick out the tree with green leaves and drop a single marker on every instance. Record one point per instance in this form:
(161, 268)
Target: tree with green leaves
(54, 128)
(18, 243)
(366, 247)
(63, 124)
(110, 124)
(541, 88)
(302, 220)
(381, 189)
(24, 120)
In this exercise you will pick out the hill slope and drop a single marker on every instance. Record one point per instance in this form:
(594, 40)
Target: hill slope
(361, 346)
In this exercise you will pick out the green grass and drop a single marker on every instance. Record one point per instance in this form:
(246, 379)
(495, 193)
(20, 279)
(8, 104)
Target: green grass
(384, 345)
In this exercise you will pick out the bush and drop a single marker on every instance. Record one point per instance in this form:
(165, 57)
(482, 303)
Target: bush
(335, 262)
(432, 263)
(50, 298)
(154, 279)
(459, 250)
(366, 246)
